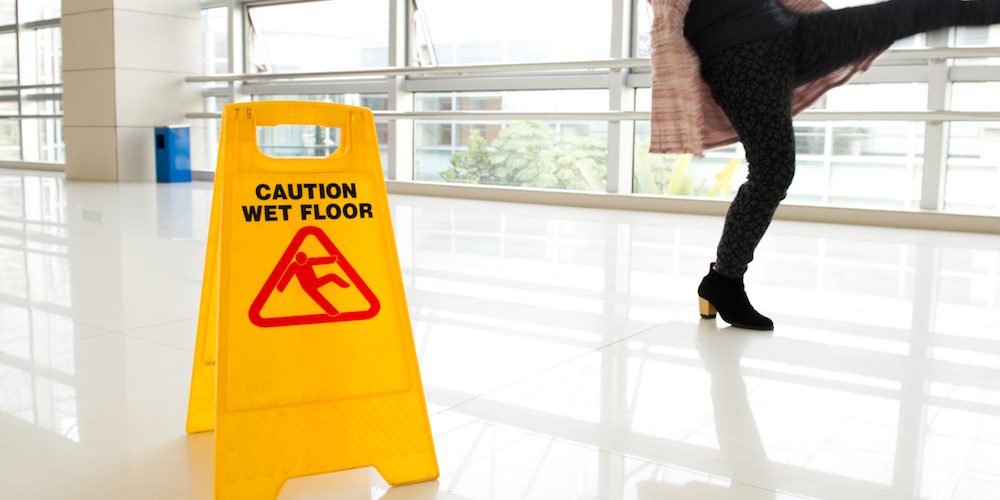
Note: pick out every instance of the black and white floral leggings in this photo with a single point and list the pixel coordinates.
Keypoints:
(753, 82)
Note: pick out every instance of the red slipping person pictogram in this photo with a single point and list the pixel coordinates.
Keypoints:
(295, 263)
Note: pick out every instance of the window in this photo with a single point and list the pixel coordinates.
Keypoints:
(215, 40)
(321, 35)
(31, 55)
(977, 36)
(973, 168)
(38, 10)
(972, 173)
(868, 164)
(8, 13)
(857, 161)
(528, 153)
(10, 140)
(461, 32)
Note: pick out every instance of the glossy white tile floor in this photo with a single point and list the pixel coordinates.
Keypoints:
(561, 351)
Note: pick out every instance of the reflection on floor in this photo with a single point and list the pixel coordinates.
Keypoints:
(561, 350)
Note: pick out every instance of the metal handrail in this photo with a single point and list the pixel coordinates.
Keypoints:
(586, 65)
(811, 116)
(29, 117)
(430, 70)
(30, 87)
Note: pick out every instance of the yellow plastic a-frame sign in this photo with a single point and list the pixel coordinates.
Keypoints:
(304, 361)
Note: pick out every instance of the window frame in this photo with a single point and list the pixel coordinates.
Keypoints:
(21, 91)
(925, 66)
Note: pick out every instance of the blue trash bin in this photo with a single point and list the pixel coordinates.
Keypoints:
(173, 153)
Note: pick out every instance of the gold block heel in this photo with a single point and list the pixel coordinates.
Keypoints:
(706, 308)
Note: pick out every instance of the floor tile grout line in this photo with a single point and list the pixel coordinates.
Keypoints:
(94, 336)
(162, 344)
(161, 323)
(557, 365)
(125, 331)
(31, 309)
(89, 325)
(132, 337)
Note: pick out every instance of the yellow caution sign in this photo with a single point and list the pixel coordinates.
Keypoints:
(304, 362)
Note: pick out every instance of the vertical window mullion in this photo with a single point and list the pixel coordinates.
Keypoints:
(17, 64)
(401, 130)
(621, 133)
(936, 134)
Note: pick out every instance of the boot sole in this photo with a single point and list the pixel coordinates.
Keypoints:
(708, 311)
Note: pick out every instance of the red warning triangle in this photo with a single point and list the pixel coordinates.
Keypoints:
(296, 265)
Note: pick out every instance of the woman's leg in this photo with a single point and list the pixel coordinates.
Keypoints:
(831, 39)
(752, 83)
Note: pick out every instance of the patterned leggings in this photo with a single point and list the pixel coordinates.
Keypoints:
(753, 82)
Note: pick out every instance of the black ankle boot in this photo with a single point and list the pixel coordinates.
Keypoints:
(725, 295)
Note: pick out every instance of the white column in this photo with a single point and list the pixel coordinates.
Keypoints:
(89, 90)
(124, 63)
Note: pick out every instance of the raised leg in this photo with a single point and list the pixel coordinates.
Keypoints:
(831, 39)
